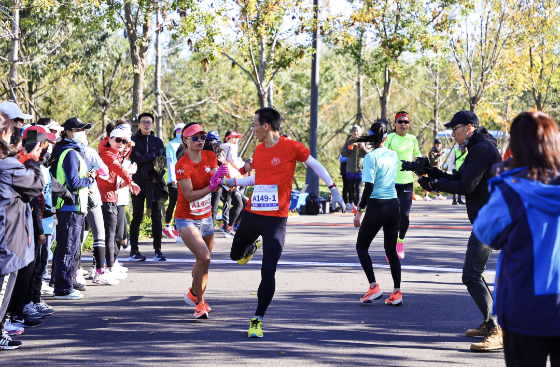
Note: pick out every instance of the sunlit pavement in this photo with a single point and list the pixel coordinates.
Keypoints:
(315, 318)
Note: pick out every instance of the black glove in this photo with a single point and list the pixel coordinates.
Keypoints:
(67, 198)
(434, 173)
(425, 183)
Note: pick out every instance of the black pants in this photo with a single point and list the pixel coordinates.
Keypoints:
(35, 282)
(24, 275)
(216, 195)
(110, 215)
(137, 215)
(475, 263)
(173, 192)
(380, 213)
(121, 232)
(524, 350)
(273, 232)
(236, 207)
(345, 189)
(355, 190)
(404, 193)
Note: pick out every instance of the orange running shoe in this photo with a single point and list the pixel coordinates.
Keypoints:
(207, 307)
(189, 298)
(200, 312)
(395, 299)
(372, 294)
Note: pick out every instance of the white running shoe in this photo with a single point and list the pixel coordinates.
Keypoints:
(83, 271)
(118, 266)
(92, 272)
(80, 278)
(116, 274)
(46, 290)
(427, 198)
(179, 240)
(440, 197)
(349, 206)
(12, 329)
(104, 279)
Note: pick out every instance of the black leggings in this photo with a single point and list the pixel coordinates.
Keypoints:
(110, 219)
(380, 213)
(121, 233)
(404, 193)
(173, 193)
(273, 232)
(355, 190)
(216, 195)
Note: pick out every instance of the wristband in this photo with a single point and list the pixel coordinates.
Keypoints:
(331, 186)
(361, 210)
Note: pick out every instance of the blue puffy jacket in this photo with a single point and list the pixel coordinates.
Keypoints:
(522, 218)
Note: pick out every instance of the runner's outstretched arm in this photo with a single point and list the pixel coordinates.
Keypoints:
(243, 181)
(324, 175)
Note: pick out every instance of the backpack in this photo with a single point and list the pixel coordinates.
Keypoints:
(312, 205)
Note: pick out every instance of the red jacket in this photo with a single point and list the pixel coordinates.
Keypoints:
(113, 160)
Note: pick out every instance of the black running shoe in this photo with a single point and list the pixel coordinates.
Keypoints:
(24, 322)
(7, 343)
(136, 256)
(159, 257)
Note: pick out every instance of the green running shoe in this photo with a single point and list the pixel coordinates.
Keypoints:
(255, 328)
(256, 245)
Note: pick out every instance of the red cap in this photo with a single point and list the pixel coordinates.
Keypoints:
(193, 129)
(40, 129)
(232, 134)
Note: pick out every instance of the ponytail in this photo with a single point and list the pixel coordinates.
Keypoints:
(5, 126)
(377, 134)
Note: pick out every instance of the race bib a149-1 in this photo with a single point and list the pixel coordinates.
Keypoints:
(265, 198)
(202, 205)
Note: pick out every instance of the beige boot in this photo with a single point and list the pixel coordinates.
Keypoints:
(479, 332)
(492, 341)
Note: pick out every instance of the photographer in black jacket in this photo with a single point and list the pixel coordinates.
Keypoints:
(470, 181)
(146, 150)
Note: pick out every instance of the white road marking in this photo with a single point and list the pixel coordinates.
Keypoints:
(311, 263)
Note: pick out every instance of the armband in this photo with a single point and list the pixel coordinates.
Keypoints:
(331, 186)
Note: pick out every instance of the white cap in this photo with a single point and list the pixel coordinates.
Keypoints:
(179, 126)
(13, 111)
(126, 128)
(53, 125)
(119, 133)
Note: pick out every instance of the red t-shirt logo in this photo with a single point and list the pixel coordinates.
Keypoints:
(275, 161)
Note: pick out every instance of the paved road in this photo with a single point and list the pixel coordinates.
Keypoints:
(314, 319)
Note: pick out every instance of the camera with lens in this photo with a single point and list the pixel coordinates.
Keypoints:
(421, 166)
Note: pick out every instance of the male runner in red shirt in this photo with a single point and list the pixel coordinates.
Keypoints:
(266, 214)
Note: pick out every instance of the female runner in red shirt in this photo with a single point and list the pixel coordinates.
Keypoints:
(198, 176)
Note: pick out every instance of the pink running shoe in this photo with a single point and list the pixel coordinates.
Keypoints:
(400, 250)
(168, 232)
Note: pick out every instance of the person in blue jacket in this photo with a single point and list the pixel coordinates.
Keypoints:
(70, 169)
(522, 219)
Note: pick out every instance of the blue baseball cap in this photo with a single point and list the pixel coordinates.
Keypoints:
(213, 136)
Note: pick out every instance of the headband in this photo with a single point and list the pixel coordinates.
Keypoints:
(401, 114)
(372, 133)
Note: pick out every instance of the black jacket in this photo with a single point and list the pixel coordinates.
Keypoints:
(18, 185)
(471, 178)
(143, 153)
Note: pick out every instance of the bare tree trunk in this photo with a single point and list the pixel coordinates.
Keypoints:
(138, 55)
(271, 94)
(436, 103)
(31, 102)
(385, 96)
(104, 116)
(359, 87)
(159, 113)
(14, 52)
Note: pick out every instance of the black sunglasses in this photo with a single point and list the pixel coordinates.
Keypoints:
(121, 140)
(195, 138)
(403, 122)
